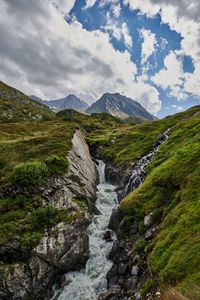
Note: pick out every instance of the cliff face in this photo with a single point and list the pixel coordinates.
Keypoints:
(64, 247)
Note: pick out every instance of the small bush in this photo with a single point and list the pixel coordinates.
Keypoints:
(44, 216)
(31, 173)
(139, 246)
(57, 164)
(149, 285)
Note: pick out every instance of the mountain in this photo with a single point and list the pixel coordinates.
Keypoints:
(69, 102)
(119, 106)
(16, 106)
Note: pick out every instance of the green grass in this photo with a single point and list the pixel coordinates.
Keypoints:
(15, 106)
(21, 142)
(127, 143)
(174, 174)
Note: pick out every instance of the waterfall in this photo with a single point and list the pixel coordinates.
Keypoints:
(88, 283)
(138, 173)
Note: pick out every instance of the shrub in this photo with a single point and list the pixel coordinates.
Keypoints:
(139, 246)
(44, 216)
(31, 173)
(149, 285)
(57, 164)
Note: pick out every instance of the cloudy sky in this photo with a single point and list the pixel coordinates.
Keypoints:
(148, 50)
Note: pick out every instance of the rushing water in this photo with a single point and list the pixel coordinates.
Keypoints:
(88, 283)
(138, 173)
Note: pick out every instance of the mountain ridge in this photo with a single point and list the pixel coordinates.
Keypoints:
(69, 102)
(119, 106)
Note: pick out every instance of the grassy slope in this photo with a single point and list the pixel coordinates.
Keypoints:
(15, 106)
(22, 217)
(127, 143)
(174, 175)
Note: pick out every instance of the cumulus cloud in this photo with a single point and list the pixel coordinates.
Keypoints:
(183, 17)
(64, 6)
(119, 31)
(172, 73)
(149, 44)
(89, 3)
(42, 54)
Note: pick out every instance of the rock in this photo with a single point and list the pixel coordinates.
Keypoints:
(149, 234)
(112, 294)
(136, 259)
(148, 220)
(115, 250)
(138, 296)
(108, 236)
(134, 271)
(161, 136)
(115, 220)
(122, 268)
(78, 183)
(131, 283)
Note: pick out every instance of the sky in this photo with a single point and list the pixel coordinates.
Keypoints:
(148, 50)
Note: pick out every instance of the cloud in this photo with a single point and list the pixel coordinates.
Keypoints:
(118, 30)
(147, 95)
(64, 6)
(56, 58)
(149, 44)
(172, 73)
(115, 6)
(41, 54)
(89, 3)
(183, 17)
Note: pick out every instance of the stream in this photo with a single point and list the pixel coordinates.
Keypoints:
(88, 283)
(138, 173)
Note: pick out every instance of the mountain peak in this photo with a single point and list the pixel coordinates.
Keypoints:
(120, 106)
(69, 102)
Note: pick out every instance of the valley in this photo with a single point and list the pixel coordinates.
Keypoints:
(50, 199)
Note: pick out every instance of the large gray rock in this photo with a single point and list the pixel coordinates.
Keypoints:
(80, 181)
(55, 254)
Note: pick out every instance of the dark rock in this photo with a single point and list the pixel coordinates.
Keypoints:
(115, 219)
(115, 250)
(136, 259)
(112, 294)
(108, 236)
(131, 283)
(122, 268)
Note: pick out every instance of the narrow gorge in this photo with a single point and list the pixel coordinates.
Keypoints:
(100, 273)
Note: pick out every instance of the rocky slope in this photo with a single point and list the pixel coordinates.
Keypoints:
(62, 247)
(119, 106)
(69, 102)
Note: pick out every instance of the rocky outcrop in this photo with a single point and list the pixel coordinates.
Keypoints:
(78, 183)
(64, 247)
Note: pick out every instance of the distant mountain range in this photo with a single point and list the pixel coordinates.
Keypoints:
(119, 106)
(69, 102)
(113, 104)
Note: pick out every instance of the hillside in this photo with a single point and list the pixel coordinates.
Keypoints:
(69, 102)
(48, 188)
(16, 106)
(119, 106)
(159, 219)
